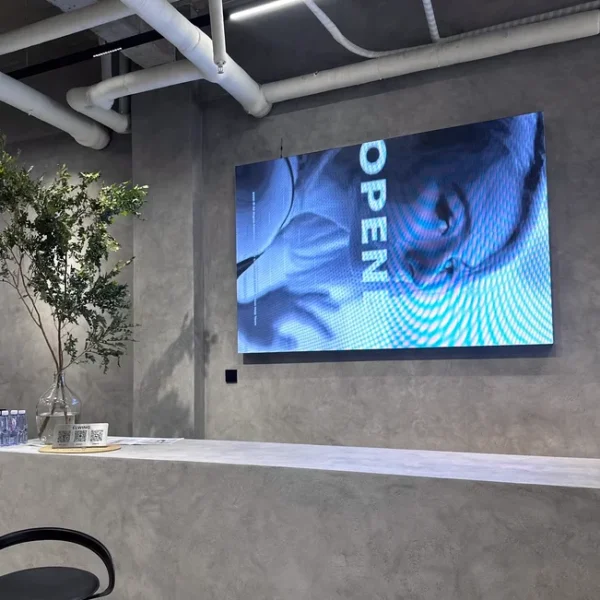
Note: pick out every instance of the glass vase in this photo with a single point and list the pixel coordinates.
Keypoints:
(58, 405)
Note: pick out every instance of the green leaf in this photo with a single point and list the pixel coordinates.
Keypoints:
(56, 239)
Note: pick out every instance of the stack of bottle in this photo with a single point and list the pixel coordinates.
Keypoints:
(13, 427)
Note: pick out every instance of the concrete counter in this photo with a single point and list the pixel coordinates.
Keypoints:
(500, 468)
(238, 520)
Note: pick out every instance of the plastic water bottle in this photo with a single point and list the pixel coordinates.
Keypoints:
(4, 428)
(12, 428)
(23, 427)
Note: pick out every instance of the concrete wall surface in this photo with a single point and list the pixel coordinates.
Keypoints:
(165, 130)
(541, 404)
(184, 275)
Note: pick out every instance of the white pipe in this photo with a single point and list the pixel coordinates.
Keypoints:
(217, 30)
(73, 21)
(433, 56)
(553, 14)
(63, 25)
(124, 68)
(78, 100)
(103, 94)
(340, 38)
(431, 22)
(96, 101)
(198, 48)
(38, 105)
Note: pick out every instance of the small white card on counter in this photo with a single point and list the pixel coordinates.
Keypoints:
(90, 435)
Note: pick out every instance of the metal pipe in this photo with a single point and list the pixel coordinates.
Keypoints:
(104, 93)
(445, 53)
(431, 22)
(217, 31)
(96, 101)
(198, 49)
(38, 105)
(78, 100)
(63, 25)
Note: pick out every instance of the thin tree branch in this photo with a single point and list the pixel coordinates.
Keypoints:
(27, 295)
(12, 285)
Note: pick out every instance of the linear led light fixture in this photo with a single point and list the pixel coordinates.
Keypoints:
(260, 9)
(106, 52)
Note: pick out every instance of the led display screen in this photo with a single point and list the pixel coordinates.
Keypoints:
(438, 239)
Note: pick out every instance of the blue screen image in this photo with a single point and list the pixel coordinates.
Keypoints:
(432, 240)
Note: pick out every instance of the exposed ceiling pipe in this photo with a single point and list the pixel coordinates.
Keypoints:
(103, 94)
(546, 16)
(442, 54)
(431, 22)
(77, 99)
(217, 30)
(63, 25)
(198, 48)
(96, 101)
(341, 39)
(38, 105)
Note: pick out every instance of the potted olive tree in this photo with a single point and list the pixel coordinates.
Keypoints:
(55, 249)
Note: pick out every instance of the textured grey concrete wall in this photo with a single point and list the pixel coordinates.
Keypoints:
(25, 366)
(165, 132)
(543, 405)
(187, 531)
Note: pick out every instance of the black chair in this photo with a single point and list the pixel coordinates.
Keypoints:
(55, 583)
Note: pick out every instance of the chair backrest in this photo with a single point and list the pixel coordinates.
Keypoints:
(57, 534)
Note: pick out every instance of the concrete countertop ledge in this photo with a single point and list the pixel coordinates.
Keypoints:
(500, 468)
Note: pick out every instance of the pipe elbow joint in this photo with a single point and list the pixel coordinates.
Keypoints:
(259, 109)
(97, 139)
(77, 98)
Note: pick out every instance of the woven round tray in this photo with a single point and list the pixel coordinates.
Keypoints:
(97, 449)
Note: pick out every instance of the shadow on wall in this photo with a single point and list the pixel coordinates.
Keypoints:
(161, 411)
(210, 341)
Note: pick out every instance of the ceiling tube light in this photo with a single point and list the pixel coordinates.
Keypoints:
(261, 9)
(98, 54)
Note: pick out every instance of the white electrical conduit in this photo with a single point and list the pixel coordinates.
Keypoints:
(74, 21)
(431, 22)
(95, 101)
(77, 99)
(553, 14)
(198, 49)
(547, 28)
(340, 38)
(217, 30)
(442, 54)
(34, 103)
(101, 95)
(106, 11)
